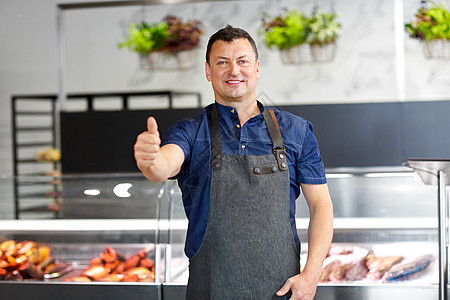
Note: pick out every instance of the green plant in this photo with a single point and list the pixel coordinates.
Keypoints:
(287, 31)
(143, 38)
(430, 24)
(323, 29)
(295, 28)
(170, 35)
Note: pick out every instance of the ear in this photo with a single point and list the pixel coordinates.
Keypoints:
(257, 69)
(207, 71)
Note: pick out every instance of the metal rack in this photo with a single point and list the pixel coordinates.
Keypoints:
(29, 184)
(27, 120)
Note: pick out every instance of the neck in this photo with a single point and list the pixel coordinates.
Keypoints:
(246, 110)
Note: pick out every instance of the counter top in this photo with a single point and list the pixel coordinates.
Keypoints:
(181, 224)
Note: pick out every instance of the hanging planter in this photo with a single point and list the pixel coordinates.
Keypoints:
(302, 39)
(154, 60)
(167, 45)
(432, 28)
(439, 49)
(303, 54)
(186, 58)
(164, 60)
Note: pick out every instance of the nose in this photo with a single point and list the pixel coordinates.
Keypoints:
(234, 69)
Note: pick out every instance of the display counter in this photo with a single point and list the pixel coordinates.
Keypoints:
(386, 211)
(78, 243)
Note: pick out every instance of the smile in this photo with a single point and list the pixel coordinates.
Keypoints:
(234, 81)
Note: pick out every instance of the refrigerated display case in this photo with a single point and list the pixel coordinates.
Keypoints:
(388, 211)
(77, 242)
(108, 232)
(435, 172)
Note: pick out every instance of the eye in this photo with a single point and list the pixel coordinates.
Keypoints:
(244, 62)
(221, 62)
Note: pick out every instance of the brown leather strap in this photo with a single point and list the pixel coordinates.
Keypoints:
(274, 131)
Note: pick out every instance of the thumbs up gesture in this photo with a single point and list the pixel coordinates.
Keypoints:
(147, 146)
(156, 163)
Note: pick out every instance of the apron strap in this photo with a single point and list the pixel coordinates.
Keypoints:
(216, 141)
(274, 130)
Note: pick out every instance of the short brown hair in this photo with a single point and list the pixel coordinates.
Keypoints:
(229, 34)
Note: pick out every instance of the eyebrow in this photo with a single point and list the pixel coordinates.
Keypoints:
(224, 57)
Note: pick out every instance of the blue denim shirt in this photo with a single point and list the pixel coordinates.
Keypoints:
(193, 137)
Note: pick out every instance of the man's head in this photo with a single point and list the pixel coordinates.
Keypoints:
(229, 34)
(232, 66)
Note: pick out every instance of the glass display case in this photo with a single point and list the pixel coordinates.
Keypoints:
(385, 215)
(103, 245)
(384, 218)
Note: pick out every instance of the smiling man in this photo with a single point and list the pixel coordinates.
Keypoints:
(240, 167)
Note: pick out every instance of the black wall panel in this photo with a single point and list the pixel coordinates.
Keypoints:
(355, 134)
(427, 129)
(102, 141)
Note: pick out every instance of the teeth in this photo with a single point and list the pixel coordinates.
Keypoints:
(234, 81)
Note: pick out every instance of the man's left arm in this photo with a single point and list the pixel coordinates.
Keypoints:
(320, 233)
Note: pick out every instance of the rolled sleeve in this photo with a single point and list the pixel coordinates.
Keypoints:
(178, 135)
(310, 167)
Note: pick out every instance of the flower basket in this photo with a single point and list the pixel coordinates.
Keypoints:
(155, 60)
(432, 28)
(304, 54)
(167, 45)
(438, 49)
(186, 59)
(164, 60)
(301, 38)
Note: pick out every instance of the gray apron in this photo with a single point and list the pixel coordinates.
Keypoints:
(248, 251)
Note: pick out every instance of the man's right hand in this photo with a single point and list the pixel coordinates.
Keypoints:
(147, 145)
(157, 164)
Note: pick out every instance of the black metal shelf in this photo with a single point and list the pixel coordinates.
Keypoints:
(23, 121)
(32, 160)
(46, 115)
(38, 174)
(49, 143)
(34, 113)
(40, 208)
(38, 182)
(39, 195)
(34, 129)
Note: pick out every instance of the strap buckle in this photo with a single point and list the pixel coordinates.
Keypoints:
(274, 150)
(280, 155)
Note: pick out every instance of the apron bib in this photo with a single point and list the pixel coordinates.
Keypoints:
(248, 251)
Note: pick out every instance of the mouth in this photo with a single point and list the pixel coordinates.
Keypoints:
(234, 81)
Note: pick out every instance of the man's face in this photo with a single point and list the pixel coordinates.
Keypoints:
(233, 71)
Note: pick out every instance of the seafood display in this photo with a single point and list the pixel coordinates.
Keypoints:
(378, 266)
(113, 266)
(343, 265)
(29, 260)
(409, 270)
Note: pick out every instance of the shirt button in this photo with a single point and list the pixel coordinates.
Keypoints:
(243, 147)
(238, 126)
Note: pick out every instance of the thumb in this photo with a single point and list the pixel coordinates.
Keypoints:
(152, 126)
(283, 291)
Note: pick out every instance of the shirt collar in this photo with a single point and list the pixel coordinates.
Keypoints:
(229, 109)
